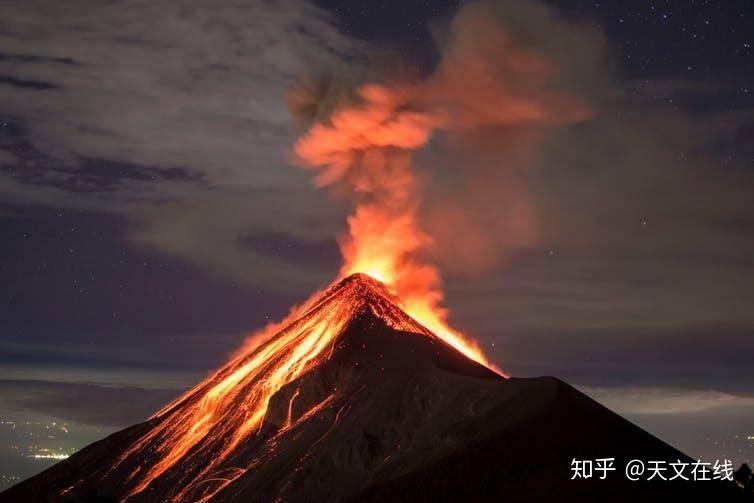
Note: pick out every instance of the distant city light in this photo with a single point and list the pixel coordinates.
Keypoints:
(49, 456)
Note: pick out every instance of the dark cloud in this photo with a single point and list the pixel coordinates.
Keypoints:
(705, 424)
(663, 401)
(84, 403)
(707, 357)
(316, 255)
(36, 85)
(30, 58)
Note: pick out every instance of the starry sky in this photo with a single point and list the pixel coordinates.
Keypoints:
(151, 218)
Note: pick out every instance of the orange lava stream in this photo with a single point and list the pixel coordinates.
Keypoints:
(230, 405)
(211, 420)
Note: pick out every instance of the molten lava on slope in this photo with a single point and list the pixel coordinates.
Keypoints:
(199, 444)
(353, 399)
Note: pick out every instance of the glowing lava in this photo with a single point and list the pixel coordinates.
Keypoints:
(381, 246)
(200, 431)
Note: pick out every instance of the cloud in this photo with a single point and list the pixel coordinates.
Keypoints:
(665, 400)
(703, 423)
(191, 87)
(191, 84)
(84, 403)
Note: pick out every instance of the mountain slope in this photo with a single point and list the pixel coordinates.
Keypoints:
(369, 406)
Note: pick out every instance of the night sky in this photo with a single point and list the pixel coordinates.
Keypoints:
(151, 217)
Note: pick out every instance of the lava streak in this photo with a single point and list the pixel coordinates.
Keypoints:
(194, 438)
(229, 406)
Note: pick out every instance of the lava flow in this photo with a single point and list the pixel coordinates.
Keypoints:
(200, 430)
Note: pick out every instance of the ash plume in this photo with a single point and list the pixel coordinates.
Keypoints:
(494, 92)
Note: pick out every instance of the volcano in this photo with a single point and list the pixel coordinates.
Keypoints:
(356, 401)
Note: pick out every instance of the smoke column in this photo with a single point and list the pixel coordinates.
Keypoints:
(488, 88)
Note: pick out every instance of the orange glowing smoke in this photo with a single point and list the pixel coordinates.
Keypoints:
(487, 79)
(367, 148)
